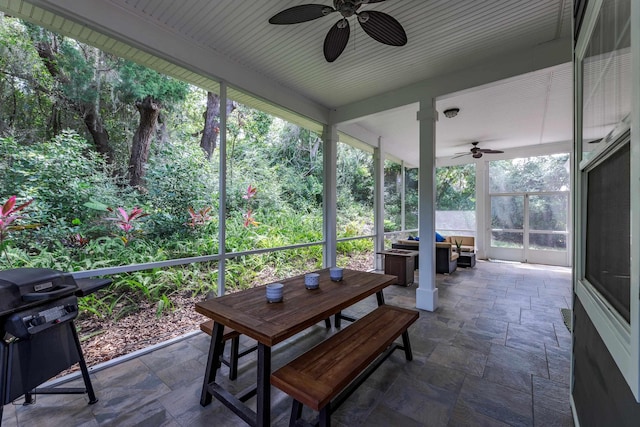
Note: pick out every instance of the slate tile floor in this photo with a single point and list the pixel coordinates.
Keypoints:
(495, 353)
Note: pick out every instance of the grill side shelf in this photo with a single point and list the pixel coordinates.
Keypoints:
(89, 286)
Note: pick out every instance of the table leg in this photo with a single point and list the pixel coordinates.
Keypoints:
(263, 407)
(380, 297)
(213, 362)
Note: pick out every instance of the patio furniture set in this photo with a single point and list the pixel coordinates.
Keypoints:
(323, 377)
(454, 251)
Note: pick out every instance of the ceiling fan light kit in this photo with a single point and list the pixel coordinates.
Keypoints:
(378, 25)
(450, 113)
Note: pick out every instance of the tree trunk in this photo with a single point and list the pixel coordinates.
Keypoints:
(149, 111)
(208, 142)
(48, 51)
(55, 121)
(100, 136)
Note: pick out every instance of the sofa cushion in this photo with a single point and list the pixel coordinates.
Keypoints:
(409, 242)
(439, 237)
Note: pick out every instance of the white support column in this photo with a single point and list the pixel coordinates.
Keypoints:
(403, 189)
(222, 197)
(427, 293)
(378, 202)
(483, 225)
(329, 205)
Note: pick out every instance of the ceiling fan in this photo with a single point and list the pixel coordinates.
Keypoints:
(477, 152)
(379, 26)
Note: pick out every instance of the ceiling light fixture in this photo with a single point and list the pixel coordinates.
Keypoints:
(450, 113)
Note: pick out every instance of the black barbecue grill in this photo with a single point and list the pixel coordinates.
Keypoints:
(38, 339)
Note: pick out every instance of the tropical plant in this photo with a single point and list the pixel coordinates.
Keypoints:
(68, 119)
(8, 216)
(248, 215)
(126, 221)
(199, 217)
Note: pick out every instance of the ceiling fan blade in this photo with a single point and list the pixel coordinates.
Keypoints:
(302, 13)
(370, 1)
(490, 151)
(383, 28)
(460, 155)
(336, 40)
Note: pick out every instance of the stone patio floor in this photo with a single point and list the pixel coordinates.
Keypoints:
(495, 353)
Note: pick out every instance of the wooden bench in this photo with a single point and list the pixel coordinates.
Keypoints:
(325, 376)
(234, 336)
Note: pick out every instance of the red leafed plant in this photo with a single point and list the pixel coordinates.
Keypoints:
(76, 241)
(249, 219)
(8, 216)
(126, 221)
(248, 215)
(251, 193)
(199, 217)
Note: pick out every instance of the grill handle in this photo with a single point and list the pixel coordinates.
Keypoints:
(38, 296)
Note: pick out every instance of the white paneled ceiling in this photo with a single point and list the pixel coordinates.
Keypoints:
(283, 65)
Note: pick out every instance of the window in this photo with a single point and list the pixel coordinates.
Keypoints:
(608, 187)
(456, 200)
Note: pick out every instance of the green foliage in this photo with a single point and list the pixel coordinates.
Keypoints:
(178, 177)
(354, 177)
(72, 185)
(543, 173)
(61, 175)
(25, 84)
(392, 196)
(456, 188)
(137, 82)
(82, 67)
(411, 199)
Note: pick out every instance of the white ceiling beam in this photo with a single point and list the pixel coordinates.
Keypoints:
(540, 57)
(361, 134)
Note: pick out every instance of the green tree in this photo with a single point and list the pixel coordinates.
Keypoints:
(150, 92)
(25, 86)
(392, 195)
(542, 173)
(456, 188)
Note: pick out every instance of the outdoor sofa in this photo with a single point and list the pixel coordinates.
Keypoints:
(446, 257)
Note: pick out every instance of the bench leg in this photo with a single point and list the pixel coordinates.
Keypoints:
(327, 322)
(233, 358)
(380, 298)
(407, 346)
(296, 413)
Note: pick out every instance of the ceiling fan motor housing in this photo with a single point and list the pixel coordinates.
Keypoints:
(346, 8)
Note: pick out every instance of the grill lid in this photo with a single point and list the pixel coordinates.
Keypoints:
(26, 287)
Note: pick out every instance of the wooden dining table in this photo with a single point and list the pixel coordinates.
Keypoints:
(249, 313)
